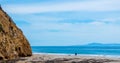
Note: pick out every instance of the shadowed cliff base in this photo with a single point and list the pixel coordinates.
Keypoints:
(13, 44)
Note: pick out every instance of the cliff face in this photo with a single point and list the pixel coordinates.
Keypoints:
(13, 43)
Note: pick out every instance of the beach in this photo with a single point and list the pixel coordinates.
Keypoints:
(64, 58)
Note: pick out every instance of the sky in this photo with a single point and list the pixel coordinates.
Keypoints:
(66, 22)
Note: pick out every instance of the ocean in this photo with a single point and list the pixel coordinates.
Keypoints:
(87, 50)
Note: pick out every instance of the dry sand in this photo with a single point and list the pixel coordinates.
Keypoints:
(59, 58)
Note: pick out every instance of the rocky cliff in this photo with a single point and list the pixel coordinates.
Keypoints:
(13, 43)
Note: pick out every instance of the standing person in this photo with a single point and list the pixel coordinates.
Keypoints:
(75, 54)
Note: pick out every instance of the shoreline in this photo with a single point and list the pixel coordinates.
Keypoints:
(118, 56)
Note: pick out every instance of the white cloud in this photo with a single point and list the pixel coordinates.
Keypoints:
(111, 20)
(93, 5)
(97, 23)
(80, 33)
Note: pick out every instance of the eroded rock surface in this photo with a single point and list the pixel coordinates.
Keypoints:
(12, 41)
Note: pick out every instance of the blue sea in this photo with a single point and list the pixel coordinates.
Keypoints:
(87, 50)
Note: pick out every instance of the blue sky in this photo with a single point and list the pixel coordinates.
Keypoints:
(66, 22)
